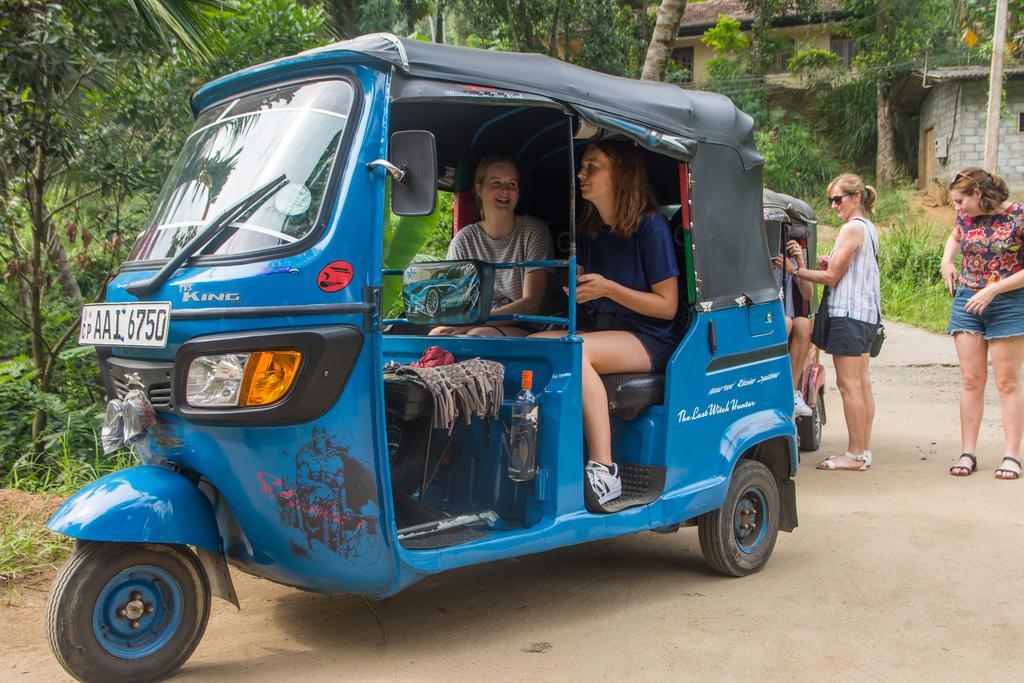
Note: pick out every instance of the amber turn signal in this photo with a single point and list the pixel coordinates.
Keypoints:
(268, 377)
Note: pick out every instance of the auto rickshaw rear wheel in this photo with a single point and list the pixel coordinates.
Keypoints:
(737, 539)
(127, 611)
(809, 427)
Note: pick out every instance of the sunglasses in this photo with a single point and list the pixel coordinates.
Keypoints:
(838, 199)
(977, 182)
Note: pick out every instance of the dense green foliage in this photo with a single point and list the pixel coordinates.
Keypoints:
(94, 112)
(912, 290)
(94, 108)
(796, 163)
(605, 35)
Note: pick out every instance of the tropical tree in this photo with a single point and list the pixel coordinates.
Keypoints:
(92, 111)
(606, 35)
(350, 18)
(764, 12)
(670, 15)
(893, 38)
(53, 59)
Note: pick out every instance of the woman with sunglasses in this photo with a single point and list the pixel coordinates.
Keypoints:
(988, 310)
(854, 308)
(628, 294)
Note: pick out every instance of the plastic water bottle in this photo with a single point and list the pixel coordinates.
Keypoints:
(522, 452)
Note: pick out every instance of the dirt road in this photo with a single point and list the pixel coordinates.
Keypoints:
(899, 573)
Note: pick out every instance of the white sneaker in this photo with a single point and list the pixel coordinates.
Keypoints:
(605, 484)
(800, 405)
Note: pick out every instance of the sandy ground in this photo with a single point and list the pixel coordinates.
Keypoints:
(899, 573)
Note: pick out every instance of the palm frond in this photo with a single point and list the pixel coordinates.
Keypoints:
(186, 20)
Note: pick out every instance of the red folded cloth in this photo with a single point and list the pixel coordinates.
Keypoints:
(433, 357)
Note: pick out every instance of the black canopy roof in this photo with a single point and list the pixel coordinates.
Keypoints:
(697, 116)
(797, 208)
(704, 129)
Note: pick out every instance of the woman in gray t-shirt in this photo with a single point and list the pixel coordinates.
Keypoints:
(503, 236)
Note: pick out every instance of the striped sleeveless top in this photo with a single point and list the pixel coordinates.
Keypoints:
(857, 295)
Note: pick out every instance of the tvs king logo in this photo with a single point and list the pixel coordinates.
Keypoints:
(188, 294)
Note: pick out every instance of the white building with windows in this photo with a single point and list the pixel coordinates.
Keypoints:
(794, 30)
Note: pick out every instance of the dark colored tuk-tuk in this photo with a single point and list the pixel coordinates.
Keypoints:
(788, 218)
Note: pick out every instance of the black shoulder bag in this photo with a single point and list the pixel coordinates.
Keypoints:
(819, 333)
(876, 343)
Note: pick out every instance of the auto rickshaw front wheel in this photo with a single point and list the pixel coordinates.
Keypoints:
(737, 539)
(127, 611)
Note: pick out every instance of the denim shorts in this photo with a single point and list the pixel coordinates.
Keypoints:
(1004, 317)
(849, 337)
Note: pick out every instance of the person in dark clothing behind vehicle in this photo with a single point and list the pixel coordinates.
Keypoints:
(628, 294)
(798, 327)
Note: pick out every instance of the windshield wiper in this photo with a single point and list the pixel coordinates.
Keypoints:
(209, 231)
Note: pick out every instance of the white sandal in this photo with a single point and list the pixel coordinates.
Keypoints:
(829, 463)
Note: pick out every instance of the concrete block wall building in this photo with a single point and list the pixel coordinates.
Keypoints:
(952, 103)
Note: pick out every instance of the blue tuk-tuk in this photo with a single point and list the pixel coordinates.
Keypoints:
(244, 347)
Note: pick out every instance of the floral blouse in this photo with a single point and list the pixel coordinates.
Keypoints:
(991, 245)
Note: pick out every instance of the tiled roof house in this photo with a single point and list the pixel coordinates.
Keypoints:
(799, 30)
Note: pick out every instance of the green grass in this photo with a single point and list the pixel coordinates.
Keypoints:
(57, 471)
(26, 546)
(912, 289)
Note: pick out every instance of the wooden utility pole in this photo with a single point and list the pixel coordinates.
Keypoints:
(995, 89)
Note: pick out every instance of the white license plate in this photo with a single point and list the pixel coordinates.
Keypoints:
(143, 324)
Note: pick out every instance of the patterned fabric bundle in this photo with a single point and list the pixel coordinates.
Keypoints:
(460, 389)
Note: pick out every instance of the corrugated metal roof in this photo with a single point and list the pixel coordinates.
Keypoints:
(966, 73)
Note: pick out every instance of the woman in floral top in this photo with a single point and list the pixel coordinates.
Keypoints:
(988, 310)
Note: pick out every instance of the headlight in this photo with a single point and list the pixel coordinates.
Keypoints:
(243, 380)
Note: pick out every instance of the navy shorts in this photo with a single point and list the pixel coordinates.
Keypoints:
(658, 352)
(1004, 317)
(849, 337)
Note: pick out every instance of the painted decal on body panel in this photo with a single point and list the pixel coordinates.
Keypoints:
(743, 383)
(712, 409)
(732, 404)
(331, 500)
(188, 294)
(335, 276)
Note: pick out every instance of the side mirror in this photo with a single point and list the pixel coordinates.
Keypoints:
(413, 169)
(448, 292)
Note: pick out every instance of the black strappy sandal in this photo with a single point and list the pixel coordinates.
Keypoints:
(969, 470)
(1012, 473)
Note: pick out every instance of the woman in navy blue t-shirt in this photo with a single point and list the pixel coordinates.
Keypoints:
(628, 293)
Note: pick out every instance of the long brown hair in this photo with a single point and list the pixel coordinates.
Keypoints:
(993, 188)
(634, 197)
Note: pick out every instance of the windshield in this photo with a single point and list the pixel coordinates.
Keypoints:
(239, 145)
